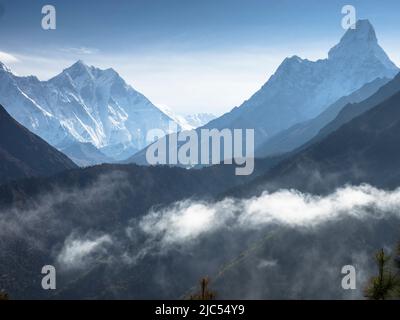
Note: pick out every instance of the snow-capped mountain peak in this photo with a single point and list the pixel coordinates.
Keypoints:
(80, 74)
(363, 32)
(83, 104)
(301, 89)
(80, 68)
(360, 44)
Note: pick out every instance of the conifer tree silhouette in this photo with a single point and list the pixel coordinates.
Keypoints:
(205, 293)
(384, 285)
(3, 296)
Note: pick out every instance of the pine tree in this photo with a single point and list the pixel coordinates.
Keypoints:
(383, 285)
(205, 293)
(397, 257)
(3, 296)
(397, 266)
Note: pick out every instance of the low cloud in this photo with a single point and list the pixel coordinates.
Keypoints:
(187, 220)
(284, 244)
(77, 251)
(267, 264)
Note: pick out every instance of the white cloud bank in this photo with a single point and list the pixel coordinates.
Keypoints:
(187, 221)
(76, 252)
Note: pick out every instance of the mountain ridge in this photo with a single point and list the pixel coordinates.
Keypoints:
(301, 133)
(362, 150)
(23, 154)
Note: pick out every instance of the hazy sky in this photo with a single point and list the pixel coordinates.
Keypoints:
(189, 55)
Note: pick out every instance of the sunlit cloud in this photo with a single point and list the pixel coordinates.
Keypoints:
(7, 57)
(77, 251)
(187, 221)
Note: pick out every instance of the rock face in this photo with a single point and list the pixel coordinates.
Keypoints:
(82, 104)
(23, 154)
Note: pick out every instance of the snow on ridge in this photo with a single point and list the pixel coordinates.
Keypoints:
(87, 104)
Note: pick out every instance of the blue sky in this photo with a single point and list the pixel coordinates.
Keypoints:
(188, 55)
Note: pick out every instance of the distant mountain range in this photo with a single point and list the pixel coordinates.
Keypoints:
(301, 90)
(83, 104)
(93, 116)
(198, 119)
(190, 121)
(23, 154)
